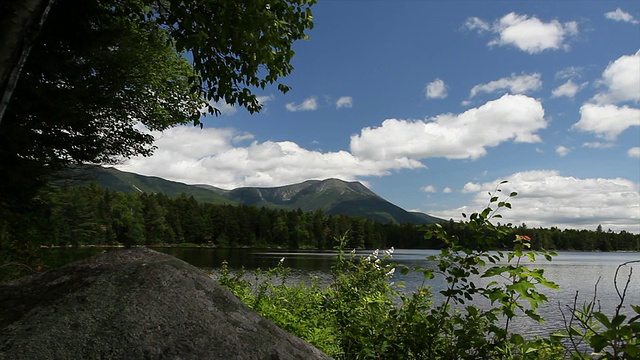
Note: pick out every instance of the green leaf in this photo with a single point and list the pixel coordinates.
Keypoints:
(603, 319)
(617, 320)
(598, 342)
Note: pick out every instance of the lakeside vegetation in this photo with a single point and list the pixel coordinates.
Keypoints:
(91, 215)
(362, 315)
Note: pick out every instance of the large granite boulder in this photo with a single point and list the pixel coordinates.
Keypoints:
(135, 304)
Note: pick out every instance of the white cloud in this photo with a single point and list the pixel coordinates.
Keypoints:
(428, 188)
(562, 151)
(447, 190)
(344, 102)
(607, 121)
(212, 156)
(436, 89)
(308, 104)
(528, 34)
(622, 80)
(570, 72)
(462, 136)
(620, 15)
(568, 89)
(634, 152)
(518, 84)
(598, 145)
(475, 23)
(546, 198)
(242, 137)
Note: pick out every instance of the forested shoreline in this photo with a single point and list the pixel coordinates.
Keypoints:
(90, 215)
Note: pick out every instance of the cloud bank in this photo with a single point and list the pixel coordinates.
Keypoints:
(546, 198)
(463, 136)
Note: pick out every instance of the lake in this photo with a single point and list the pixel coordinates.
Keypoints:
(573, 271)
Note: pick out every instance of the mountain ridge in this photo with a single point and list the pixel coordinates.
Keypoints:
(332, 196)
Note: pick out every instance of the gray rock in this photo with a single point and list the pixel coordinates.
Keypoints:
(135, 304)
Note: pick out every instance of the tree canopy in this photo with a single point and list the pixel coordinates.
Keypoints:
(101, 72)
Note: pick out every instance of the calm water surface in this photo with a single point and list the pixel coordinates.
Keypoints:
(575, 272)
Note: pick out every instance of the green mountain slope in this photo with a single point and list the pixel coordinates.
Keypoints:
(333, 196)
(127, 182)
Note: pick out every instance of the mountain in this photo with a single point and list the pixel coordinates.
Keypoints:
(116, 180)
(333, 196)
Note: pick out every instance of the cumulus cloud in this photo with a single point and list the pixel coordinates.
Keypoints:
(344, 102)
(568, 89)
(462, 136)
(428, 188)
(634, 152)
(546, 198)
(620, 15)
(308, 104)
(447, 190)
(518, 84)
(436, 89)
(621, 79)
(223, 158)
(607, 121)
(562, 151)
(526, 33)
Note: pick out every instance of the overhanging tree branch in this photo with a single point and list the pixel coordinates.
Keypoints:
(20, 23)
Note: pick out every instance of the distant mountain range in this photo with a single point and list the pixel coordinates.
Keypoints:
(333, 196)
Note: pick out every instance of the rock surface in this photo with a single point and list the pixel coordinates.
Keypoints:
(135, 304)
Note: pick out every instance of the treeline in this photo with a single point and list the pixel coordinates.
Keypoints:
(70, 215)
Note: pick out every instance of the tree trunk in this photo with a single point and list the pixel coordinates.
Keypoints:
(20, 23)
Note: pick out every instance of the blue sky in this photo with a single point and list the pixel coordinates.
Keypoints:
(432, 103)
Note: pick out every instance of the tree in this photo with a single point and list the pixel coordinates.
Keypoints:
(20, 23)
(235, 44)
(91, 81)
(83, 92)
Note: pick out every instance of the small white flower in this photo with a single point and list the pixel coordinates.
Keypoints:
(281, 261)
(391, 272)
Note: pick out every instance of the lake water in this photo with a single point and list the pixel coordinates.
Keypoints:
(573, 271)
